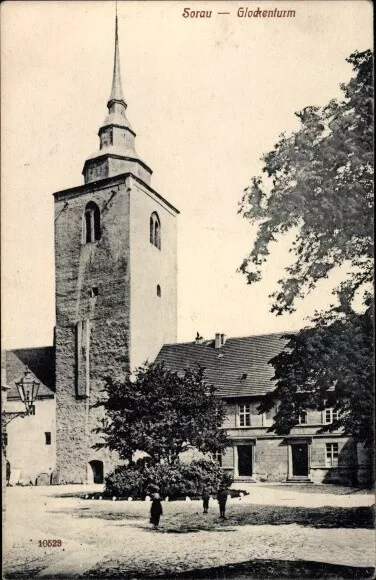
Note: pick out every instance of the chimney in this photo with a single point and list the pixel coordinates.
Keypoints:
(219, 340)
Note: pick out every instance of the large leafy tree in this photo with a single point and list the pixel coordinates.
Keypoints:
(163, 414)
(318, 186)
(329, 365)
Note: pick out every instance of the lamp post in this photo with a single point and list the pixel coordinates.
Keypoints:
(28, 390)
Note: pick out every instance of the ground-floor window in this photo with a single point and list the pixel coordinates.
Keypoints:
(331, 458)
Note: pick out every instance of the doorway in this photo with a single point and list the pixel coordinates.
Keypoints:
(95, 471)
(245, 460)
(299, 453)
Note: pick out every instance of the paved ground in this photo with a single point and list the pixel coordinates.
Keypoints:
(102, 539)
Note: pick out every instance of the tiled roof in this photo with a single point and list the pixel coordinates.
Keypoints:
(239, 368)
(41, 362)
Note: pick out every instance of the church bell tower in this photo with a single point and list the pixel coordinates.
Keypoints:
(116, 286)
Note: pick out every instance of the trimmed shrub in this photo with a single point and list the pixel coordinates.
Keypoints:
(125, 481)
(175, 481)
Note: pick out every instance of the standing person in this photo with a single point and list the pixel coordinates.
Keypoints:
(155, 510)
(205, 499)
(222, 499)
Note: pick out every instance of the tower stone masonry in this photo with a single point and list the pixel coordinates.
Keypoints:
(116, 284)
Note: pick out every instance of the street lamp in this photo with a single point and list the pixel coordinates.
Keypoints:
(28, 390)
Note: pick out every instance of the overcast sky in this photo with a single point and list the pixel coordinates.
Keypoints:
(206, 97)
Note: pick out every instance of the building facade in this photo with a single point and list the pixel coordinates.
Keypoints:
(30, 442)
(239, 368)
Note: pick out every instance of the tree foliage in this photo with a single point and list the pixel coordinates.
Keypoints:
(319, 185)
(330, 365)
(163, 414)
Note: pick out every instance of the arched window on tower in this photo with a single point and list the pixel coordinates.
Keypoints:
(157, 237)
(92, 223)
(155, 230)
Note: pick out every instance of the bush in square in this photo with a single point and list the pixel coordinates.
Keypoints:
(173, 481)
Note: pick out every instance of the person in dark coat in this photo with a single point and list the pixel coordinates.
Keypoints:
(156, 510)
(205, 499)
(222, 499)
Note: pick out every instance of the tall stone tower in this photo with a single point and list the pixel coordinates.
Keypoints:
(116, 287)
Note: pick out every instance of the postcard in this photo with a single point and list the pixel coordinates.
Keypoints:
(187, 270)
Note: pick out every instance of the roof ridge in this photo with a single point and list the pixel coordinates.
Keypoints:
(205, 341)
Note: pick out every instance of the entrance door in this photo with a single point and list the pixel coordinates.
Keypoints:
(96, 468)
(245, 467)
(299, 452)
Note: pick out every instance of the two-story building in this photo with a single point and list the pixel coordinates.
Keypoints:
(240, 370)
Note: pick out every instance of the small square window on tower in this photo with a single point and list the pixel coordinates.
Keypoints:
(93, 292)
(47, 435)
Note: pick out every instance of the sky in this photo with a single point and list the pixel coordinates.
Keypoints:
(206, 97)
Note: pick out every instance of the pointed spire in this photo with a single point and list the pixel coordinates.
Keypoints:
(116, 90)
(116, 136)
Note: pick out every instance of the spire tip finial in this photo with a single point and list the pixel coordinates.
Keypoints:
(116, 90)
